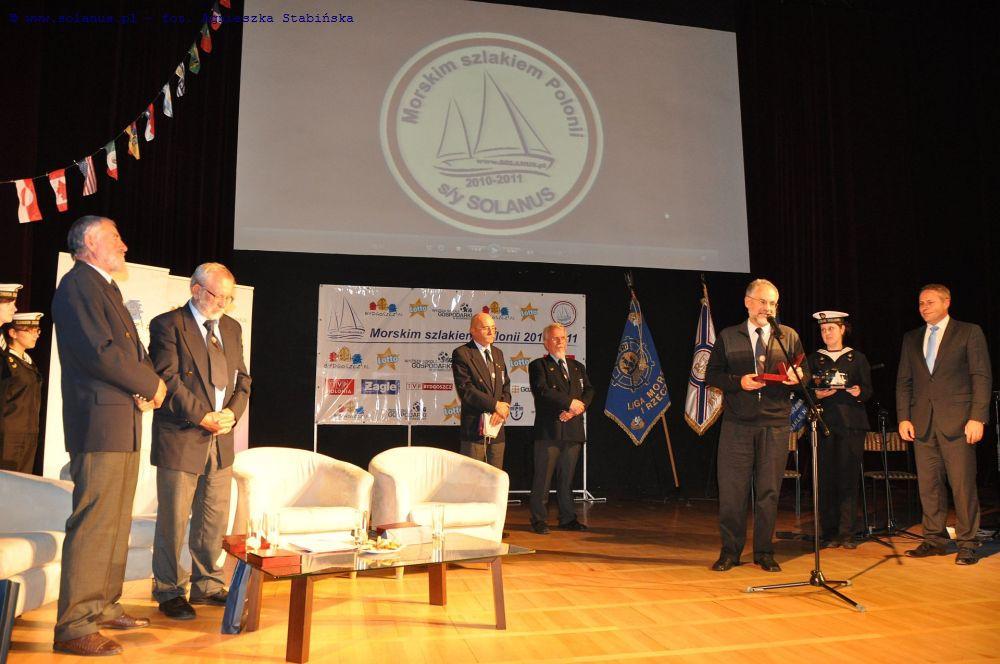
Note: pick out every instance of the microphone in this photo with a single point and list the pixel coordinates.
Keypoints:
(876, 367)
(775, 328)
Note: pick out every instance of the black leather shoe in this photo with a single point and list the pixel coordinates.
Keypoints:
(572, 525)
(725, 563)
(177, 609)
(966, 557)
(926, 549)
(218, 599)
(540, 527)
(849, 543)
(767, 562)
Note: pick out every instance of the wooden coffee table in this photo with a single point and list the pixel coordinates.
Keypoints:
(435, 556)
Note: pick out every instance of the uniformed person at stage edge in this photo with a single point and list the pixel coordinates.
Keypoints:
(8, 297)
(23, 400)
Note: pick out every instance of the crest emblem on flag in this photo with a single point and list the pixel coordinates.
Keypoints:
(112, 154)
(133, 140)
(638, 393)
(703, 404)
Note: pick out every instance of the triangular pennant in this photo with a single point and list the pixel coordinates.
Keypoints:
(180, 81)
(89, 176)
(57, 179)
(194, 62)
(168, 104)
(150, 123)
(27, 209)
(133, 140)
(206, 38)
(216, 17)
(112, 160)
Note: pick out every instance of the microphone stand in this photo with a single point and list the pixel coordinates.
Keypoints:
(816, 577)
(890, 530)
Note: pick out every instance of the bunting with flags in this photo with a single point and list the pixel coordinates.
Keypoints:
(703, 404)
(150, 123)
(57, 179)
(206, 38)
(180, 80)
(89, 176)
(27, 209)
(216, 17)
(168, 104)
(194, 62)
(638, 395)
(112, 160)
(133, 140)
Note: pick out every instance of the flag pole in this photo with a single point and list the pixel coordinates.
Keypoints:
(670, 450)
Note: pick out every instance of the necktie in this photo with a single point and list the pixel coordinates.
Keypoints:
(931, 354)
(565, 371)
(118, 291)
(216, 358)
(758, 350)
(489, 364)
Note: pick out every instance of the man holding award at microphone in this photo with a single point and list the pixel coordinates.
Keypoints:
(753, 443)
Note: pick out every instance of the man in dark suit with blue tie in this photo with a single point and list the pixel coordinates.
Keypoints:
(562, 393)
(198, 350)
(108, 381)
(942, 403)
(483, 387)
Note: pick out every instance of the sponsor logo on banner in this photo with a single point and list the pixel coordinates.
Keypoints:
(430, 387)
(417, 411)
(464, 311)
(343, 323)
(343, 386)
(516, 412)
(442, 363)
(379, 386)
(349, 410)
(453, 409)
(491, 134)
(529, 311)
(519, 362)
(564, 313)
(387, 359)
(497, 311)
(344, 359)
(418, 308)
(520, 389)
(382, 308)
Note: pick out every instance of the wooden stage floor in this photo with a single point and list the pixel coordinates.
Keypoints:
(635, 588)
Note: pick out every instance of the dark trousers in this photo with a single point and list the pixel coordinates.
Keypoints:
(839, 470)
(939, 457)
(491, 453)
(559, 456)
(19, 452)
(205, 498)
(756, 453)
(96, 544)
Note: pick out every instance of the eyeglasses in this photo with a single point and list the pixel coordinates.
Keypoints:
(767, 303)
(489, 328)
(227, 300)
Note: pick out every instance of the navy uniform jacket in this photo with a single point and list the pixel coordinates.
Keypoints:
(842, 409)
(553, 394)
(477, 393)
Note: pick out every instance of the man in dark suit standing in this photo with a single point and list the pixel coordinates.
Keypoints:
(753, 443)
(942, 402)
(198, 351)
(562, 393)
(483, 387)
(108, 381)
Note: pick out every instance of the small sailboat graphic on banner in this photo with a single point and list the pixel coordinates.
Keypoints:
(344, 325)
(505, 143)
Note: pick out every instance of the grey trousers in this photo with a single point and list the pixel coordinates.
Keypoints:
(760, 454)
(491, 453)
(558, 456)
(205, 498)
(939, 457)
(96, 545)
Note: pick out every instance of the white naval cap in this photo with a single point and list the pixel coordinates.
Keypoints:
(830, 317)
(27, 320)
(9, 291)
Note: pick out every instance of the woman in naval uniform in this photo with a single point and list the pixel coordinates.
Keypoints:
(8, 297)
(23, 400)
(842, 382)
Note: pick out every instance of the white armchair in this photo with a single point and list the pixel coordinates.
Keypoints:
(311, 492)
(410, 481)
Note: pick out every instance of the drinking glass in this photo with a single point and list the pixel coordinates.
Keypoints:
(437, 522)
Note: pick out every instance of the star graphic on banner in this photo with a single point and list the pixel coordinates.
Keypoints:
(453, 409)
(388, 359)
(529, 312)
(519, 362)
(418, 308)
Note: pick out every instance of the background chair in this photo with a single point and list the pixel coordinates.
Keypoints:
(895, 447)
(312, 493)
(410, 481)
(794, 473)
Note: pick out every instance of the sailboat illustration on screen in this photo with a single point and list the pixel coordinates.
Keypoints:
(344, 325)
(505, 143)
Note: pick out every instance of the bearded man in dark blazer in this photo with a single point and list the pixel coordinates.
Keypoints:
(108, 381)
(483, 387)
(562, 393)
(942, 403)
(198, 350)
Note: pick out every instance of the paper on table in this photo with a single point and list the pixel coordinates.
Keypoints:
(322, 542)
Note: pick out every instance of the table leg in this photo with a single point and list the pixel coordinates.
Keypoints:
(437, 580)
(255, 587)
(299, 619)
(498, 606)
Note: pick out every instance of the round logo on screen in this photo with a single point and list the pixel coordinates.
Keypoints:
(491, 133)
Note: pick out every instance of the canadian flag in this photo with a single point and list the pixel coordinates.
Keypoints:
(28, 203)
(57, 179)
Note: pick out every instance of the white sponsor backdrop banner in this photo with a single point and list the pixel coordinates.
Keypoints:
(383, 355)
(148, 291)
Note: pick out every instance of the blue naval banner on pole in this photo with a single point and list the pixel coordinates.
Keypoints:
(638, 393)
(797, 418)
